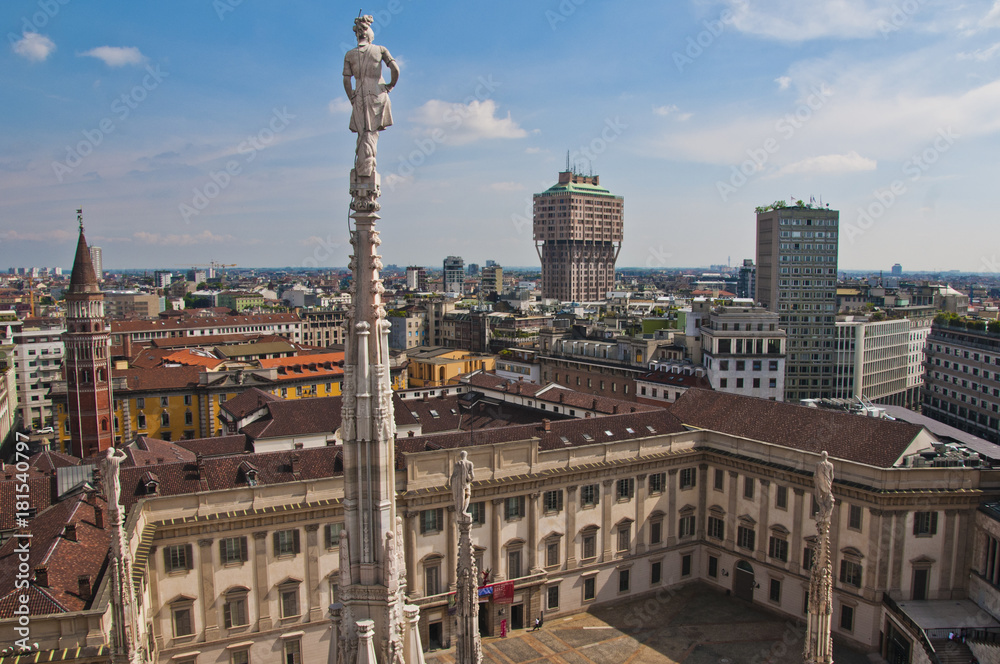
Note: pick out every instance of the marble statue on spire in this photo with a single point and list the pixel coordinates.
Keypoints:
(462, 476)
(371, 111)
(818, 647)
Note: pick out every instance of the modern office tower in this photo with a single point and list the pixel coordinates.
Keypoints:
(962, 378)
(492, 279)
(897, 270)
(872, 361)
(797, 279)
(746, 285)
(578, 234)
(472, 270)
(743, 350)
(96, 258)
(416, 278)
(453, 274)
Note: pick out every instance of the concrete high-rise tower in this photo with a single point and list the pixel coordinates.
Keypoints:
(797, 279)
(453, 274)
(88, 358)
(97, 259)
(578, 234)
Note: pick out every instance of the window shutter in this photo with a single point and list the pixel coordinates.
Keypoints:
(189, 556)
(166, 558)
(277, 544)
(521, 512)
(327, 529)
(295, 539)
(244, 556)
(933, 523)
(559, 501)
(222, 552)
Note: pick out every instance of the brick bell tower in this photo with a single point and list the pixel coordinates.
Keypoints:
(88, 358)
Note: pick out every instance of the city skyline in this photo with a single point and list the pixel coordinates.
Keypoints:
(888, 110)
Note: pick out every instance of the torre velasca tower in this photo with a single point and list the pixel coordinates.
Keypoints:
(578, 234)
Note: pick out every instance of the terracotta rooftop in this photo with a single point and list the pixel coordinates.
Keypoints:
(680, 379)
(247, 402)
(867, 440)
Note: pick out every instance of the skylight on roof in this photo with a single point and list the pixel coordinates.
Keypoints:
(434, 414)
(630, 430)
(651, 429)
(587, 436)
(608, 433)
(564, 439)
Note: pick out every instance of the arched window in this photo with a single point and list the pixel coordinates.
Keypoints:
(104, 424)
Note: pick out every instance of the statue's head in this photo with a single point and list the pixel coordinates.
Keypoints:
(824, 455)
(363, 28)
(463, 455)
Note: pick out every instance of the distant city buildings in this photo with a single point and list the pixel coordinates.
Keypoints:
(797, 250)
(744, 350)
(746, 285)
(416, 279)
(897, 270)
(492, 279)
(578, 234)
(453, 274)
(97, 259)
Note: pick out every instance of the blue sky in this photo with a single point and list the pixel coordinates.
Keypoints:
(695, 111)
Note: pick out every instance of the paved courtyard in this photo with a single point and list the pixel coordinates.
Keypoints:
(693, 625)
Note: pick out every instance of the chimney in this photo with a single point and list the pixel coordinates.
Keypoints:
(69, 532)
(425, 397)
(98, 517)
(547, 425)
(562, 397)
(593, 406)
(409, 434)
(296, 464)
(614, 409)
(83, 583)
(42, 576)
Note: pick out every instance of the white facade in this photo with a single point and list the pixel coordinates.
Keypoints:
(743, 351)
(880, 361)
(97, 258)
(38, 362)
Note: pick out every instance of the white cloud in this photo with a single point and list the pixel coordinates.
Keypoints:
(783, 82)
(532, 150)
(184, 240)
(830, 163)
(339, 105)
(671, 110)
(981, 55)
(116, 56)
(802, 20)
(44, 236)
(34, 46)
(459, 124)
(992, 18)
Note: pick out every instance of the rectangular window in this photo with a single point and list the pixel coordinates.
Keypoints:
(624, 537)
(846, 618)
(624, 582)
(850, 573)
(286, 542)
(431, 576)
(686, 565)
(183, 623)
(778, 548)
(625, 489)
(333, 531)
(241, 656)
(188, 417)
(589, 589)
(140, 420)
(807, 558)
(552, 501)
(720, 479)
(431, 521)
(514, 564)
(233, 550)
(657, 482)
(589, 546)
(177, 557)
(552, 593)
(781, 497)
(478, 512)
(289, 602)
(655, 531)
(775, 591)
(140, 402)
(552, 554)
(745, 537)
(590, 495)
(165, 419)
(854, 517)
(748, 488)
(688, 477)
(234, 611)
(514, 507)
(924, 524)
(293, 651)
(716, 528)
(686, 526)
(713, 567)
(164, 402)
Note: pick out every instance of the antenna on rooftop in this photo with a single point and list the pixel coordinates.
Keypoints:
(567, 160)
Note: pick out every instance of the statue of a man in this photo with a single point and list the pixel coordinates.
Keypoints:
(461, 482)
(823, 479)
(112, 485)
(369, 95)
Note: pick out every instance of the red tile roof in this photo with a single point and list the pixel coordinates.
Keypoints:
(865, 440)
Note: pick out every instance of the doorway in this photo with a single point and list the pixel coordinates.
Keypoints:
(484, 619)
(897, 647)
(516, 616)
(434, 639)
(920, 578)
(743, 581)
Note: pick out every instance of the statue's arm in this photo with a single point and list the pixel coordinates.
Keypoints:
(347, 87)
(393, 68)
